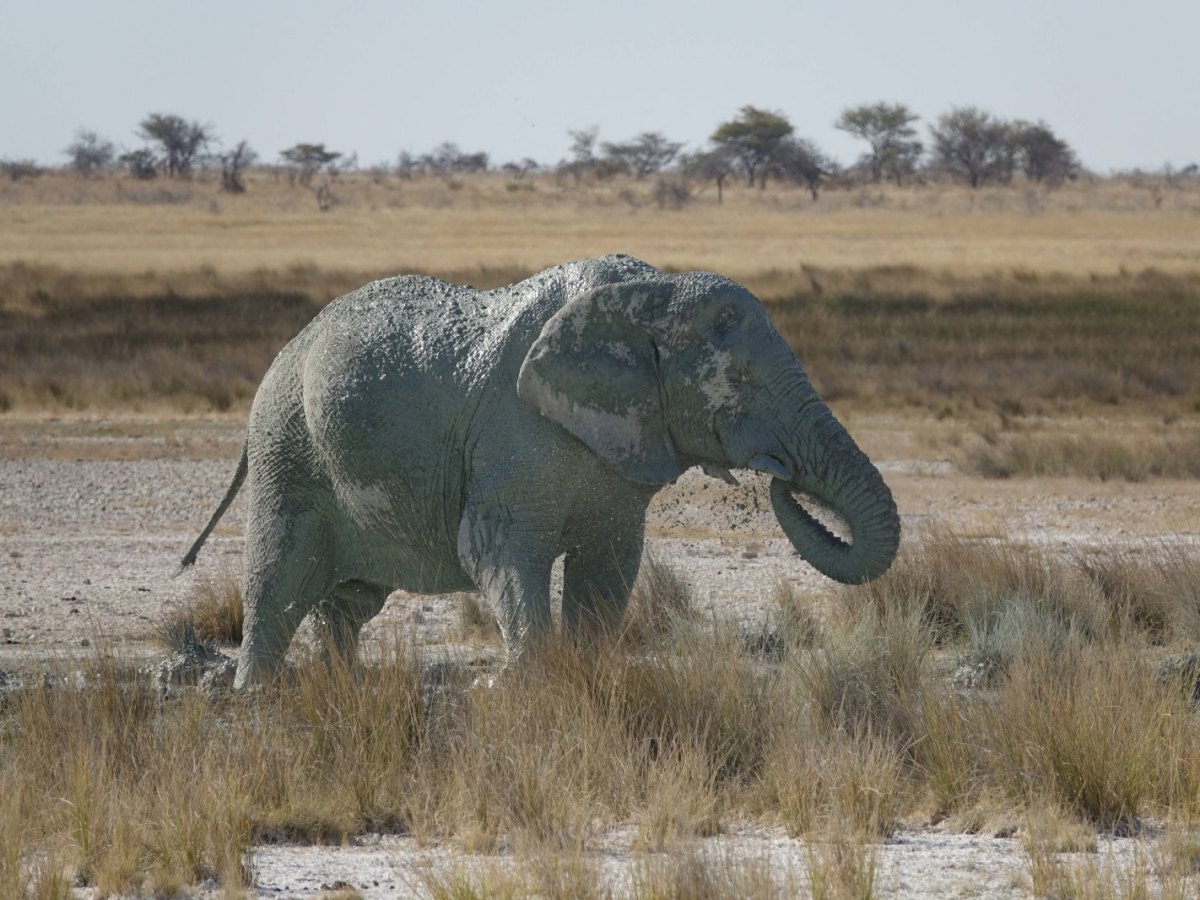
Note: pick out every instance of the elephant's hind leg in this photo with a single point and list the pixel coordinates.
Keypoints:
(287, 573)
(339, 618)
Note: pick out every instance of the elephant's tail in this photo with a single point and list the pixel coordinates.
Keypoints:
(238, 477)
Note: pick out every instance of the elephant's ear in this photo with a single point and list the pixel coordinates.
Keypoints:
(594, 371)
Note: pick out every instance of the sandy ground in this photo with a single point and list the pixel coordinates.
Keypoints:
(95, 515)
(912, 865)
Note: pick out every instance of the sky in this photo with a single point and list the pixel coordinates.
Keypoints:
(1120, 81)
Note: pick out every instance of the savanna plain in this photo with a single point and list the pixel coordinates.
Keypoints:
(1010, 711)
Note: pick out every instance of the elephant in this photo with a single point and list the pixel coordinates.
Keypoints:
(428, 437)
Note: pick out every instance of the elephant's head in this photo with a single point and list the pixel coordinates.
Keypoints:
(659, 376)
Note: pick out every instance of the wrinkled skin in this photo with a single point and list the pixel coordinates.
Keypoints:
(422, 436)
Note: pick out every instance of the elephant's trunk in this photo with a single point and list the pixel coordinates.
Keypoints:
(835, 471)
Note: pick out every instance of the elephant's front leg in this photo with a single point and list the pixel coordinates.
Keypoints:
(511, 566)
(599, 572)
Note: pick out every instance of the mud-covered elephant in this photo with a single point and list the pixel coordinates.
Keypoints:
(422, 436)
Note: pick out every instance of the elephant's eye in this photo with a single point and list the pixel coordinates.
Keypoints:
(742, 376)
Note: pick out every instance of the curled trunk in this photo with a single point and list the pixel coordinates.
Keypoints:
(836, 472)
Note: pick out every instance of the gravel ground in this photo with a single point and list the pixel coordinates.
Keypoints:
(95, 515)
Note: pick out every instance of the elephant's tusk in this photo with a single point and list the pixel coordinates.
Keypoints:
(771, 466)
(720, 472)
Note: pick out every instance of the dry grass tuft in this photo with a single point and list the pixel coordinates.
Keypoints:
(795, 626)
(476, 623)
(868, 675)
(1154, 589)
(211, 613)
(841, 866)
(709, 877)
(1094, 732)
(1003, 596)
(540, 874)
(1034, 454)
(660, 600)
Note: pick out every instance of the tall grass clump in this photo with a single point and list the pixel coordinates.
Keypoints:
(540, 874)
(1154, 588)
(154, 794)
(580, 734)
(1033, 454)
(660, 600)
(992, 591)
(139, 801)
(1075, 714)
(12, 838)
(701, 875)
(841, 866)
(847, 719)
(868, 675)
(1095, 731)
(212, 612)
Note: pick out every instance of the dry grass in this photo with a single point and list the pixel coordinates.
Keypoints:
(198, 341)
(211, 613)
(841, 866)
(476, 622)
(1101, 458)
(380, 222)
(995, 593)
(851, 733)
(660, 601)
(710, 877)
(115, 294)
(1102, 874)
(689, 874)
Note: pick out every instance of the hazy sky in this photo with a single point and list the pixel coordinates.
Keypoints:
(1119, 80)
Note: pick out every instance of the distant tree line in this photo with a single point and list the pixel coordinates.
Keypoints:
(755, 146)
(967, 143)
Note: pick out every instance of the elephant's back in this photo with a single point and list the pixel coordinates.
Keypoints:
(398, 322)
(387, 355)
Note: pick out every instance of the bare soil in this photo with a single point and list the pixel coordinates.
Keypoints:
(96, 514)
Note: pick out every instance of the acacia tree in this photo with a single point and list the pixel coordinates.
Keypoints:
(887, 129)
(646, 154)
(520, 170)
(182, 142)
(583, 153)
(233, 164)
(753, 139)
(447, 157)
(90, 153)
(714, 165)
(19, 169)
(142, 163)
(303, 161)
(1043, 155)
(799, 160)
(974, 145)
